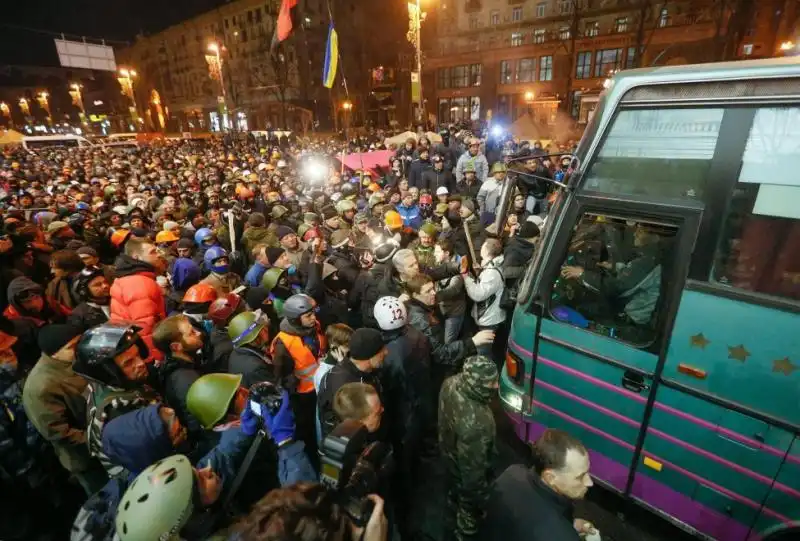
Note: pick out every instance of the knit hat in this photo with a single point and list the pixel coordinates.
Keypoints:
(56, 226)
(185, 243)
(273, 254)
(468, 204)
(339, 238)
(480, 373)
(54, 337)
(529, 230)
(283, 231)
(329, 212)
(86, 250)
(429, 229)
(365, 343)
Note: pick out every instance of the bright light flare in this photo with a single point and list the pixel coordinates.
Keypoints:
(497, 131)
(314, 171)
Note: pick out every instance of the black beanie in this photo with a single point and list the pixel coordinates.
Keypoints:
(529, 230)
(273, 254)
(54, 337)
(365, 344)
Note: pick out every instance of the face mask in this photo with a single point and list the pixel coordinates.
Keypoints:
(220, 269)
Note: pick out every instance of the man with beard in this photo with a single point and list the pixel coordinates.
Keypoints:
(94, 292)
(135, 295)
(180, 342)
(294, 248)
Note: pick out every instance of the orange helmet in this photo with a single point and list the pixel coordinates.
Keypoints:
(200, 293)
(166, 236)
(374, 187)
(393, 220)
(246, 193)
(119, 237)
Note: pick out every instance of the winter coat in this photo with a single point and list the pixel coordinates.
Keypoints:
(254, 274)
(54, 402)
(407, 384)
(486, 291)
(450, 153)
(60, 291)
(346, 267)
(332, 305)
(416, 171)
(424, 319)
(451, 296)
(87, 315)
(373, 290)
(221, 348)
(253, 364)
(175, 376)
(516, 257)
(410, 215)
(257, 235)
(432, 180)
(481, 167)
(522, 508)
(342, 373)
(489, 196)
(136, 298)
(223, 283)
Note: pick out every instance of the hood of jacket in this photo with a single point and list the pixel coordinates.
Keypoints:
(256, 234)
(170, 364)
(20, 285)
(137, 439)
(185, 273)
(519, 248)
(474, 391)
(125, 265)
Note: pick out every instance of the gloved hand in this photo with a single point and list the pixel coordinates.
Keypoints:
(249, 421)
(281, 425)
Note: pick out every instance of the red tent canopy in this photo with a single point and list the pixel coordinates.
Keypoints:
(367, 160)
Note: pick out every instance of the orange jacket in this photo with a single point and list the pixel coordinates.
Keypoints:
(305, 363)
(137, 299)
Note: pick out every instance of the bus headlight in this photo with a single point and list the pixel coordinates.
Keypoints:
(513, 401)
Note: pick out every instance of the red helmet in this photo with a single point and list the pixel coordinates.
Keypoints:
(425, 199)
(312, 233)
(200, 293)
(223, 308)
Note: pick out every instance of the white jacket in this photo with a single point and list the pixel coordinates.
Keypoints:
(490, 282)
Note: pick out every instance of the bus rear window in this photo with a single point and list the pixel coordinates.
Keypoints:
(657, 153)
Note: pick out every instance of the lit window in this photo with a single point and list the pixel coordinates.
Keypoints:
(516, 39)
(565, 6)
(494, 18)
(592, 29)
(526, 70)
(541, 9)
(505, 72)
(621, 25)
(546, 68)
(607, 62)
(564, 33)
(538, 35)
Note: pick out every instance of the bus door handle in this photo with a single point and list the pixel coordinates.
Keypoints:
(634, 382)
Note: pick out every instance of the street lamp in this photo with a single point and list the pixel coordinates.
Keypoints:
(24, 107)
(215, 70)
(77, 100)
(787, 45)
(126, 78)
(42, 98)
(347, 106)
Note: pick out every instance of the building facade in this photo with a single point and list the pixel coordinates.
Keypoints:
(550, 59)
(255, 90)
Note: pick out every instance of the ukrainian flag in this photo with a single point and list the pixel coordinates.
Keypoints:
(331, 58)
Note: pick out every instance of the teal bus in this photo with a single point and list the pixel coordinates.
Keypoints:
(659, 320)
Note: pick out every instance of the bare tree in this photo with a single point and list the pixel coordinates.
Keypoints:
(733, 19)
(570, 46)
(643, 36)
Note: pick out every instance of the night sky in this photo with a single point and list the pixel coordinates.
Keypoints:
(119, 20)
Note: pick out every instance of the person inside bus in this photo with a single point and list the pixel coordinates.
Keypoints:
(633, 287)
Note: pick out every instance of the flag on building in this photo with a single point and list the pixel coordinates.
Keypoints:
(331, 58)
(285, 23)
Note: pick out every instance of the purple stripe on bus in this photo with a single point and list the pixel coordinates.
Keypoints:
(665, 463)
(672, 439)
(677, 413)
(661, 496)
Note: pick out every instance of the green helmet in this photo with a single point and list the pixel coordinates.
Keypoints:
(278, 305)
(210, 395)
(244, 328)
(469, 166)
(499, 167)
(302, 229)
(271, 277)
(158, 502)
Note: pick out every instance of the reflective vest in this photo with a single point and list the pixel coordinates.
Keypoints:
(305, 363)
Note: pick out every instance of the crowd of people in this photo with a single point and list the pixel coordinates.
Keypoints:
(186, 325)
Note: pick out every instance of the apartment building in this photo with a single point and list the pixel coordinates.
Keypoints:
(550, 58)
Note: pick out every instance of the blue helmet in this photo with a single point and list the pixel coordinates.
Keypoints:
(82, 205)
(201, 235)
(212, 254)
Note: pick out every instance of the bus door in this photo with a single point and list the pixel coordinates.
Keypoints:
(611, 281)
(720, 452)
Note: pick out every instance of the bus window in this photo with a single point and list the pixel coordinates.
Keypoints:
(759, 249)
(669, 148)
(610, 281)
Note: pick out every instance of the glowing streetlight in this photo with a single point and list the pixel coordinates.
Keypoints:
(347, 106)
(215, 71)
(125, 79)
(44, 103)
(788, 45)
(24, 106)
(529, 95)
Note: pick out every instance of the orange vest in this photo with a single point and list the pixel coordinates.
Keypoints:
(305, 363)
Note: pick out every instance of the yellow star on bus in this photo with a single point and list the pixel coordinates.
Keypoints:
(699, 341)
(739, 353)
(784, 365)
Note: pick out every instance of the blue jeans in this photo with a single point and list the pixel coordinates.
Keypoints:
(452, 328)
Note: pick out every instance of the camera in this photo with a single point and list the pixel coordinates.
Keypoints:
(267, 395)
(354, 467)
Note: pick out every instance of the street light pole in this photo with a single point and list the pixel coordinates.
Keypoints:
(217, 50)
(419, 60)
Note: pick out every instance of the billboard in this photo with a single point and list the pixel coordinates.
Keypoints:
(79, 54)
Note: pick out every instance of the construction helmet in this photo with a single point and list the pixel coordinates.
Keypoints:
(119, 237)
(166, 236)
(469, 166)
(271, 277)
(297, 305)
(244, 328)
(212, 255)
(210, 396)
(390, 313)
(222, 309)
(159, 501)
(499, 167)
(393, 220)
(200, 293)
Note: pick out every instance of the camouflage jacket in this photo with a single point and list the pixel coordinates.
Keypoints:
(467, 438)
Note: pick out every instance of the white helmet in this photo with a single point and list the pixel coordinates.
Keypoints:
(390, 313)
